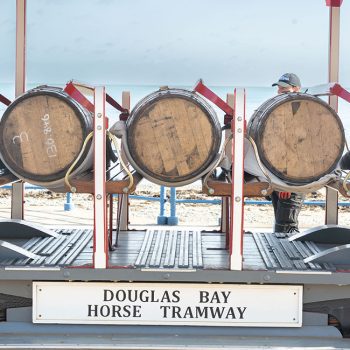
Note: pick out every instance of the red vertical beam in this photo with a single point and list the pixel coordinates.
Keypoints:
(236, 203)
(100, 257)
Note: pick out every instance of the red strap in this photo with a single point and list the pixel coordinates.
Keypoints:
(211, 96)
(115, 104)
(227, 119)
(72, 91)
(5, 100)
(340, 91)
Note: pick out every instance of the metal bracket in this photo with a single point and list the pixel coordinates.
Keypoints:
(327, 234)
(12, 251)
(18, 229)
(338, 255)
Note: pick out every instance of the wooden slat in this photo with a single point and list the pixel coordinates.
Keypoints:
(252, 189)
(85, 184)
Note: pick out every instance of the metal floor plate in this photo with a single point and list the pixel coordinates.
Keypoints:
(278, 253)
(58, 251)
(171, 248)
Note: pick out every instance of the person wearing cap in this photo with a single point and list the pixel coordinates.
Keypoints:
(287, 205)
(288, 82)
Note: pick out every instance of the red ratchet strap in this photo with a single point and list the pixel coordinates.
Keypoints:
(115, 104)
(337, 90)
(5, 100)
(211, 96)
(124, 115)
(72, 91)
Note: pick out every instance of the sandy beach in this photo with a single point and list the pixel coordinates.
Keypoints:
(45, 207)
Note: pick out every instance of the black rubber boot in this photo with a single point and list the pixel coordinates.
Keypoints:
(287, 212)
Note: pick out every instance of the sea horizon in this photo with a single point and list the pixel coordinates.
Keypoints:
(255, 97)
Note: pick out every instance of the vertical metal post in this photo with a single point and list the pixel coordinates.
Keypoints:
(236, 207)
(173, 219)
(68, 206)
(124, 210)
(225, 201)
(333, 76)
(100, 209)
(17, 198)
(20, 86)
(162, 219)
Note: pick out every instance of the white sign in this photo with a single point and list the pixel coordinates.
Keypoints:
(161, 304)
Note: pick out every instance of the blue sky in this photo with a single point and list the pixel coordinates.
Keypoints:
(225, 42)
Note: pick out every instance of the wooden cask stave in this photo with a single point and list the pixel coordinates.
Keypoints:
(173, 136)
(299, 137)
(41, 135)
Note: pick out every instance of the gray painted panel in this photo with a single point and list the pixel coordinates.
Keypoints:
(339, 255)
(16, 228)
(15, 334)
(333, 234)
(11, 251)
(314, 319)
(20, 314)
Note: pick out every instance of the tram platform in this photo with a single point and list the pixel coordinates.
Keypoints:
(164, 250)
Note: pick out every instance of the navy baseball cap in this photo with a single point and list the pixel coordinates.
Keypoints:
(288, 79)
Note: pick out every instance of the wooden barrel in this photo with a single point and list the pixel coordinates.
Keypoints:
(299, 137)
(41, 135)
(173, 136)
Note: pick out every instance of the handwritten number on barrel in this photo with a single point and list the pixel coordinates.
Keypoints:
(23, 136)
(51, 149)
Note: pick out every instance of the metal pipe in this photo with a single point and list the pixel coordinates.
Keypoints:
(162, 219)
(68, 206)
(173, 219)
